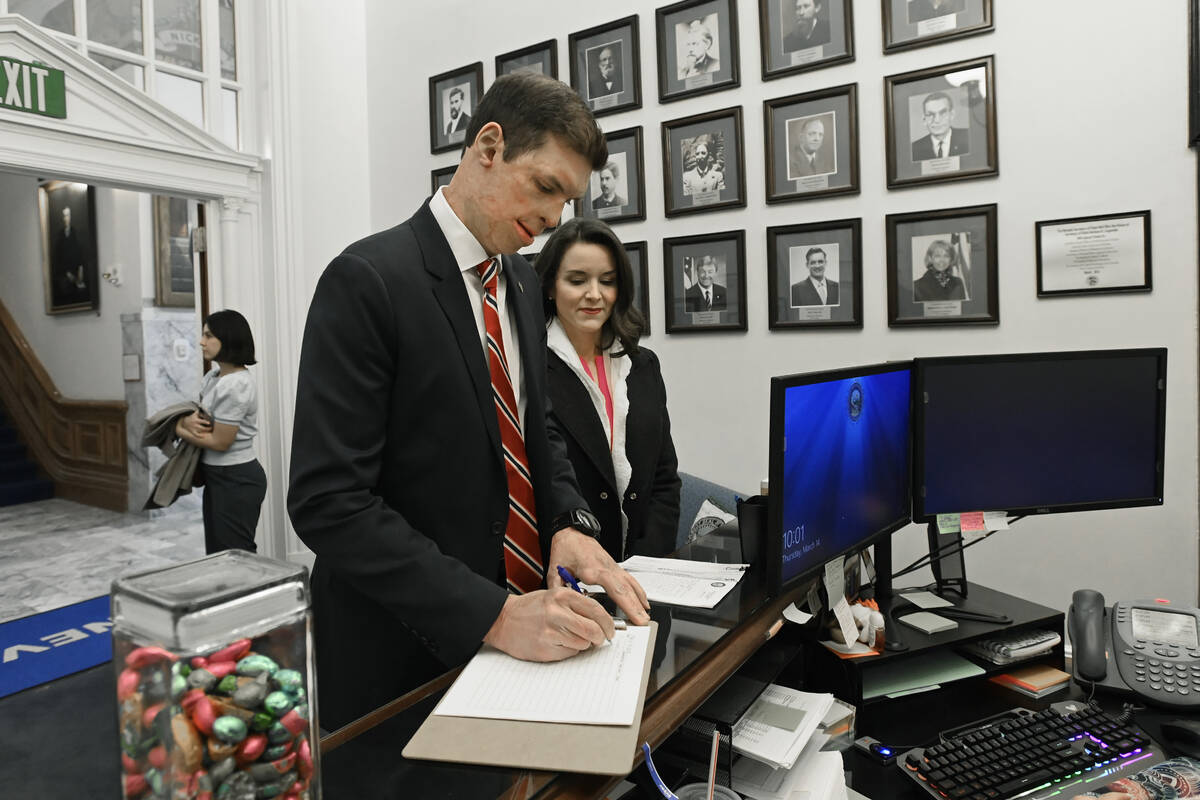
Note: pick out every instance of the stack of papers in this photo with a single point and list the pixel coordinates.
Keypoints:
(776, 728)
(674, 581)
(816, 775)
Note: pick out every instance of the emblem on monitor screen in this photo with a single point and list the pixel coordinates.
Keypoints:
(854, 401)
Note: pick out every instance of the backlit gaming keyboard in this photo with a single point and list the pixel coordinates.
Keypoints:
(1058, 752)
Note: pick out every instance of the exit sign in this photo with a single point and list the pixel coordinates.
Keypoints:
(34, 88)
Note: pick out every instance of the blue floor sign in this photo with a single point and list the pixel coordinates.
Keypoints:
(46, 646)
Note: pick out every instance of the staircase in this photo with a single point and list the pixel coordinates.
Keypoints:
(19, 481)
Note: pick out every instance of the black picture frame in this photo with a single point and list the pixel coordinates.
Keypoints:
(625, 174)
(640, 266)
(919, 23)
(70, 271)
(1083, 255)
(793, 251)
(176, 222)
(961, 96)
(466, 80)
(541, 58)
(697, 48)
(689, 189)
(1194, 73)
(440, 177)
(963, 236)
(683, 259)
(586, 49)
(788, 47)
(795, 173)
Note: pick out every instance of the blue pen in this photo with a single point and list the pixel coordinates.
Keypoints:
(569, 579)
(566, 575)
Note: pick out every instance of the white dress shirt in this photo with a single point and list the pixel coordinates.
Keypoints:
(468, 253)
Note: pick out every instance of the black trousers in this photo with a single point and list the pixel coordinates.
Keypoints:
(233, 497)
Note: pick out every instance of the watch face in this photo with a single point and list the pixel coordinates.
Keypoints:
(586, 521)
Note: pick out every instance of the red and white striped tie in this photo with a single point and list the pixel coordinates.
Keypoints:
(522, 551)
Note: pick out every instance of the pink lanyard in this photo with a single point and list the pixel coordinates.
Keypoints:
(601, 378)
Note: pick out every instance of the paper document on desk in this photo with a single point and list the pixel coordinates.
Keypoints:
(599, 686)
(699, 584)
(779, 724)
(816, 775)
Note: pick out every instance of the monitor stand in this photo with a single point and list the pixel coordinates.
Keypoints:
(949, 573)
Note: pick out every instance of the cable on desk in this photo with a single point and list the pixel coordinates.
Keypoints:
(948, 549)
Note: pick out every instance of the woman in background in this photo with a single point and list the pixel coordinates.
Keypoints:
(234, 481)
(606, 392)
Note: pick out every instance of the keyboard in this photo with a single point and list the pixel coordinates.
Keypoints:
(1059, 752)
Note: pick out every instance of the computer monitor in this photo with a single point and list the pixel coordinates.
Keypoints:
(839, 474)
(1039, 433)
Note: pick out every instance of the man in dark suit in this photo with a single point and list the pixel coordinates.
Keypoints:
(810, 157)
(942, 141)
(921, 10)
(459, 119)
(705, 294)
(69, 278)
(417, 363)
(604, 75)
(809, 30)
(816, 289)
(608, 197)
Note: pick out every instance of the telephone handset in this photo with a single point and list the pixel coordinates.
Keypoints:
(1146, 647)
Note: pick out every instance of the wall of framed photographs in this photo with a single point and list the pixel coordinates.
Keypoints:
(1023, 80)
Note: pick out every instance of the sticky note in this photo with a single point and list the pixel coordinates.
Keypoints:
(835, 581)
(971, 521)
(947, 523)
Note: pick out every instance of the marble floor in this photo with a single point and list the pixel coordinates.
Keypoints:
(57, 552)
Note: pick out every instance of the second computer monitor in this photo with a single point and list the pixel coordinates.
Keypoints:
(839, 465)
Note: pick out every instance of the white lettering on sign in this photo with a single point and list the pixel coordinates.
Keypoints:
(64, 637)
(12, 73)
(13, 653)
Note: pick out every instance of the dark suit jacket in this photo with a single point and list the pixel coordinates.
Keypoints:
(796, 41)
(460, 124)
(921, 10)
(960, 145)
(805, 294)
(821, 165)
(651, 501)
(596, 87)
(926, 289)
(693, 298)
(397, 479)
(599, 202)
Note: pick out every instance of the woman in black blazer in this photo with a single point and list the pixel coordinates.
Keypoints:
(606, 393)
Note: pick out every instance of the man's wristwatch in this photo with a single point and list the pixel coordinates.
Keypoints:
(580, 519)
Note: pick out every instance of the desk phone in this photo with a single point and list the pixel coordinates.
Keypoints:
(1145, 647)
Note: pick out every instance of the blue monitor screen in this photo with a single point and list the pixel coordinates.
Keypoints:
(845, 463)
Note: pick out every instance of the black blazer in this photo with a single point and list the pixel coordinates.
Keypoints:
(651, 501)
(397, 478)
(805, 294)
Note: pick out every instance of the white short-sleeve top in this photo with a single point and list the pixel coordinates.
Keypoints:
(232, 400)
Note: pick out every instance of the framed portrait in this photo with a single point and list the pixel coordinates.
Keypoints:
(1094, 255)
(441, 177)
(69, 267)
(941, 124)
(636, 251)
(916, 23)
(812, 144)
(176, 220)
(541, 58)
(705, 286)
(942, 267)
(453, 96)
(703, 162)
(799, 35)
(606, 66)
(697, 48)
(617, 191)
(814, 275)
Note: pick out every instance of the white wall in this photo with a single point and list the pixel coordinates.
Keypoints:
(81, 351)
(1080, 132)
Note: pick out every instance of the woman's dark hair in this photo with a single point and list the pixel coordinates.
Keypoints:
(626, 322)
(528, 106)
(233, 332)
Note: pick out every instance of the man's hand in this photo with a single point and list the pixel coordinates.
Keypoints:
(549, 625)
(195, 424)
(590, 563)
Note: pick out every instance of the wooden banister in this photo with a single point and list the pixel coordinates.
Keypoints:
(80, 444)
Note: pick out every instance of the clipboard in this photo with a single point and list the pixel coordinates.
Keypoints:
(552, 746)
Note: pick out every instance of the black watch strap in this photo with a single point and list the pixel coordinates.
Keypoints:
(580, 519)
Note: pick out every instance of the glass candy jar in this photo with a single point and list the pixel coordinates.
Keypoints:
(215, 681)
